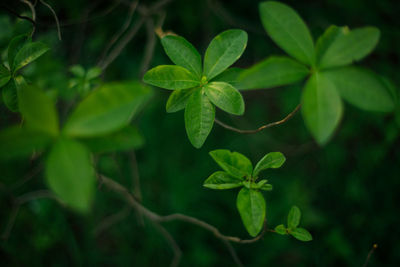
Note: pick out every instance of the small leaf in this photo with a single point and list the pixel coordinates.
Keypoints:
(340, 46)
(18, 142)
(222, 180)
(266, 187)
(199, 118)
(288, 30)
(294, 217)
(272, 72)
(78, 71)
(362, 88)
(225, 96)
(126, 139)
(70, 174)
(28, 53)
(107, 109)
(271, 160)
(37, 108)
(229, 76)
(182, 53)
(5, 75)
(178, 99)
(223, 51)
(233, 163)
(171, 77)
(10, 96)
(281, 229)
(322, 108)
(93, 73)
(14, 46)
(251, 206)
(301, 234)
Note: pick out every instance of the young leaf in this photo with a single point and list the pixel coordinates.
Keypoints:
(229, 76)
(182, 53)
(37, 108)
(10, 97)
(78, 71)
(225, 96)
(93, 73)
(361, 88)
(266, 187)
(322, 107)
(171, 77)
(223, 51)
(28, 53)
(222, 180)
(126, 139)
(294, 217)
(17, 142)
(14, 46)
(281, 229)
(271, 160)
(5, 75)
(301, 234)
(199, 118)
(70, 174)
(272, 72)
(251, 206)
(340, 46)
(233, 163)
(107, 109)
(288, 30)
(178, 99)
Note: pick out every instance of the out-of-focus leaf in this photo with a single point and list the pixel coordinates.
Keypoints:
(10, 96)
(5, 75)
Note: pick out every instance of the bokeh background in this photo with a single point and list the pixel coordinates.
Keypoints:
(348, 190)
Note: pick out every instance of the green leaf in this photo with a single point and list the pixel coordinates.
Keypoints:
(28, 53)
(322, 107)
(107, 109)
(37, 108)
(281, 229)
(18, 142)
(78, 71)
(272, 72)
(229, 76)
(10, 96)
(288, 30)
(14, 46)
(70, 174)
(171, 77)
(199, 118)
(178, 99)
(225, 96)
(294, 217)
(362, 88)
(126, 139)
(251, 206)
(266, 187)
(301, 234)
(233, 163)
(339, 46)
(182, 53)
(223, 51)
(271, 160)
(5, 75)
(93, 73)
(222, 180)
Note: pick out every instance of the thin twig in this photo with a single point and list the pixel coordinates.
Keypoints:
(168, 237)
(55, 17)
(118, 188)
(119, 33)
(109, 221)
(32, 8)
(149, 47)
(374, 247)
(18, 15)
(269, 125)
(233, 253)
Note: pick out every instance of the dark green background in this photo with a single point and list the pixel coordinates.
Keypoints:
(348, 190)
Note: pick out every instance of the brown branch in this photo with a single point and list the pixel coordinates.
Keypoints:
(18, 15)
(149, 47)
(374, 247)
(269, 125)
(168, 237)
(32, 8)
(118, 188)
(109, 221)
(55, 17)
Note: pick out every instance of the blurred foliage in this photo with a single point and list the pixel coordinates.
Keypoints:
(348, 191)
